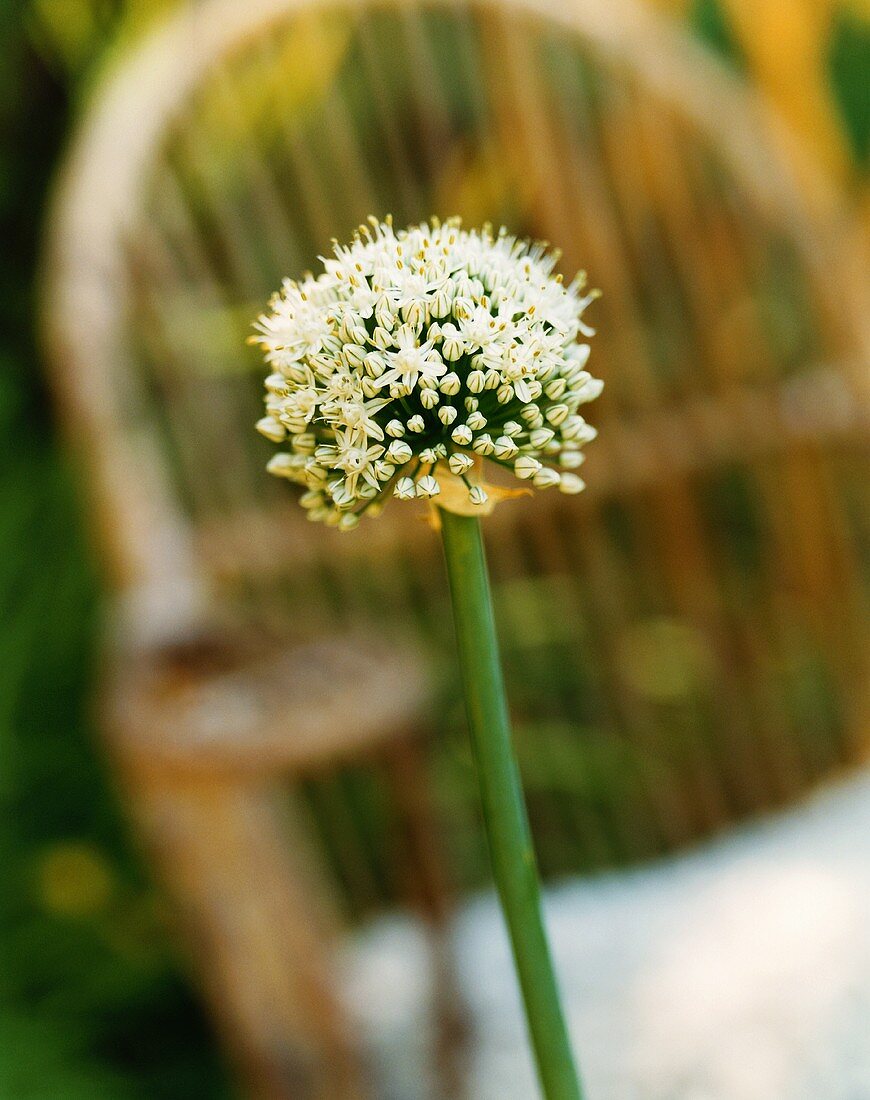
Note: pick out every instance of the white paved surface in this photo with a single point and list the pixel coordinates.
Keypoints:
(740, 971)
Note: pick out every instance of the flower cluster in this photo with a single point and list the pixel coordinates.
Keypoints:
(415, 354)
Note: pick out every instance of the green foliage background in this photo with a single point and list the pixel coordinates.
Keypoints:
(93, 1002)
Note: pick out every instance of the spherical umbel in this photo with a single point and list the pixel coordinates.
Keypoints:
(417, 354)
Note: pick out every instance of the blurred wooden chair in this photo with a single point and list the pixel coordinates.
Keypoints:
(719, 531)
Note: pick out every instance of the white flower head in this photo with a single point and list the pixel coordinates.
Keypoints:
(416, 354)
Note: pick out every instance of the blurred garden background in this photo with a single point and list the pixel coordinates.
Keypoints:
(93, 997)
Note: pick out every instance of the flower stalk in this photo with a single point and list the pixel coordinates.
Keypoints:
(507, 827)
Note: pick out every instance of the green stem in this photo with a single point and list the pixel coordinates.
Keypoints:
(507, 826)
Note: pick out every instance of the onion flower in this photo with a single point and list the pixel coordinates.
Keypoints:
(411, 361)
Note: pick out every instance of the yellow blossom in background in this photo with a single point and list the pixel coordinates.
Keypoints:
(74, 879)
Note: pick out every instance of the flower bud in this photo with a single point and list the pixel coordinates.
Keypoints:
(343, 497)
(452, 347)
(353, 355)
(304, 444)
(505, 448)
(460, 463)
(276, 383)
(415, 313)
(540, 437)
(429, 398)
(576, 430)
(283, 465)
(314, 475)
(312, 499)
(571, 484)
(589, 391)
(526, 467)
(271, 429)
(441, 302)
(359, 335)
(428, 487)
(295, 372)
(375, 364)
(545, 478)
(556, 414)
(384, 314)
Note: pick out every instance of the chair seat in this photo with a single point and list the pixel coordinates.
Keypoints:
(221, 701)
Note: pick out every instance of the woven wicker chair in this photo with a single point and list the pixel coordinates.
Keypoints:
(715, 549)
